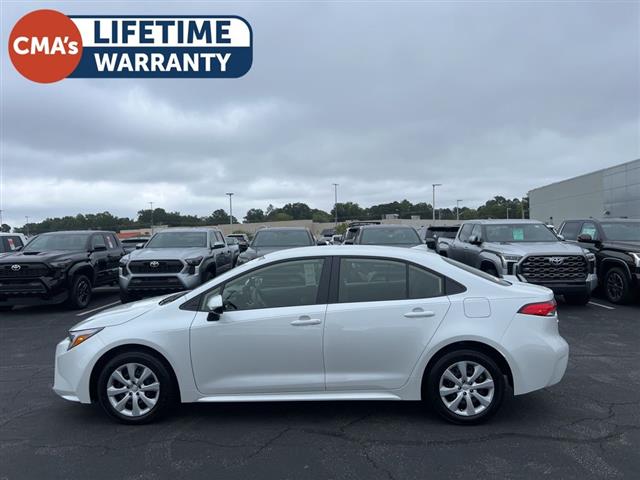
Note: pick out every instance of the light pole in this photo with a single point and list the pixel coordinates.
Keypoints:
(458, 209)
(508, 213)
(335, 201)
(230, 208)
(151, 208)
(433, 205)
(27, 224)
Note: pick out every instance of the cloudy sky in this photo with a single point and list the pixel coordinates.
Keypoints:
(384, 99)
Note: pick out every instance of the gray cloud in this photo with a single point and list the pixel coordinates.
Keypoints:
(384, 99)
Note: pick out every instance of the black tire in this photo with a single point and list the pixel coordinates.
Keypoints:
(449, 360)
(80, 292)
(491, 271)
(208, 275)
(165, 397)
(616, 286)
(126, 297)
(577, 298)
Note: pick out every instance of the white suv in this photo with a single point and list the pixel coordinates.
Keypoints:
(331, 323)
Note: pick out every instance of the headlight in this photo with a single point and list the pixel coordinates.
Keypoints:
(193, 262)
(123, 262)
(80, 336)
(591, 257)
(512, 258)
(63, 265)
(636, 258)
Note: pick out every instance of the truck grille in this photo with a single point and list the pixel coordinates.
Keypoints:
(554, 268)
(155, 283)
(156, 266)
(26, 270)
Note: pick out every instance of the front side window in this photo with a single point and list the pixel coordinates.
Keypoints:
(178, 240)
(285, 284)
(389, 236)
(371, 280)
(477, 231)
(282, 238)
(465, 232)
(570, 230)
(523, 232)
(589, 228)
(10, 243)
(61, 241)
(98, 241)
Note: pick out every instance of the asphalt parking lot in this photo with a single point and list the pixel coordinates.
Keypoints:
(588, 426)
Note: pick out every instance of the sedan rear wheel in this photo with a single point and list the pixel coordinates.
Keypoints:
(466, 386)
(135, 388)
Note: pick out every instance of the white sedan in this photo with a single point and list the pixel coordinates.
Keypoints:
(330, 323)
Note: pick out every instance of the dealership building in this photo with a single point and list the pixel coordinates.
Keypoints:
(610, 192)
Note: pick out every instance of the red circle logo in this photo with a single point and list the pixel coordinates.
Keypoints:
(45, 46)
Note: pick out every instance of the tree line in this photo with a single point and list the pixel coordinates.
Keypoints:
(497, 207)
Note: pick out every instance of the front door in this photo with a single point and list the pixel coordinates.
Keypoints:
(269, 338)
(385, 315)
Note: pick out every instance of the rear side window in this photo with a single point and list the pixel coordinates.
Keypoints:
(10, 243)
(112, 244)
(570, 230)
(465, 231)
(424, 284)
(97, 241)
(371, 280)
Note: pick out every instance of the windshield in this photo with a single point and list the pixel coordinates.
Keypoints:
(528, 232)
(476, 272)
(62, 241)
(282, 238)
(622, 231)
(178, 240)
(232, 240)
(390, 236)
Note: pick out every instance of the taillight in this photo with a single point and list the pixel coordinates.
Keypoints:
(541, 309)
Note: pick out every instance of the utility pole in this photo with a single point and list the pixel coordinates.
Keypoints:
(27, 224)
(458, 209)
(335, 201)
(230, 209)
(151, 208)
(433, 205)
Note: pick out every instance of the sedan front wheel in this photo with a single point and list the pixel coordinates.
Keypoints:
(135, 388)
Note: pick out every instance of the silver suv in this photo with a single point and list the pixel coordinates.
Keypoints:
(529, 251)
(174, 259)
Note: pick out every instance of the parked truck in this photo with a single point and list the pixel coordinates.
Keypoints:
(528, 251)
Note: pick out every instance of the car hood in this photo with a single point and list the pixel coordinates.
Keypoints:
(168, 253)
(39, 257)
(529, 248)
(119, 315)
(627, 246)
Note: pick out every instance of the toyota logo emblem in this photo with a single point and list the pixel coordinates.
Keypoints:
(154, 264)
(15, 268)
(556, 260)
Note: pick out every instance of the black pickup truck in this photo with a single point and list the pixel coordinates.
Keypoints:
(616, 245)
(59, 267)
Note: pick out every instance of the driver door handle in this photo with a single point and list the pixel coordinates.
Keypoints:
(304, 320)
(419, 313)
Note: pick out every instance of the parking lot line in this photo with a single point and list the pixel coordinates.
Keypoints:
(97, 308)
(603, 306)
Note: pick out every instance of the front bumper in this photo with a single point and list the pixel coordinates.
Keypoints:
(33, 291)
(73, 369)
(152, 283)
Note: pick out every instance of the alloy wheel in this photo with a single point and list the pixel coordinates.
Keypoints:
(83, 292)
(133, 389)
(615, 286)
(466, 388)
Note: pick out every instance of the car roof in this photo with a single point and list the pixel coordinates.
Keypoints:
(69, 232)
(350, 250)
(505, 221)
(612, 220)
(188, 229)
(271, 229)
(387, 225)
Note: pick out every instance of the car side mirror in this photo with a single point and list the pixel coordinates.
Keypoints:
(348, 242)
(215, 307)
(243, 247)
(475, 240)
(561, 237)
(431, 243)
(99, 248)
(218, 245)
(585, 238)
(139, 246)
(321, 242)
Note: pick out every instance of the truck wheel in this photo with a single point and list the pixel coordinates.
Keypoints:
(577, 298)
(126, 297)
(491, 271)
(616, 286)
(80, 292)
(208, 275)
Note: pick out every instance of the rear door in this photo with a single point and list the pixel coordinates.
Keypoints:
(114, 253)
(382, 314)
(100, 256)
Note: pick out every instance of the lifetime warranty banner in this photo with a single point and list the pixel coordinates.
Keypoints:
(47, 46)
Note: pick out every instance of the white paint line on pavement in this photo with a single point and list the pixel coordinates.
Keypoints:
(97, 308)
(602, 306)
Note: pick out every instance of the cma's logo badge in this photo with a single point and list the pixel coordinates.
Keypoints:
(556, 261)
(154, 264)
(47, 46)
(16, 268)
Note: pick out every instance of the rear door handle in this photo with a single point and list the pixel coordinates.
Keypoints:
(302, 321)
(419, 313)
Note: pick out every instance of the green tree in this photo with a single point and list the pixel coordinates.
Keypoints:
(219, 217)
(5, 228)
(254, 215)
